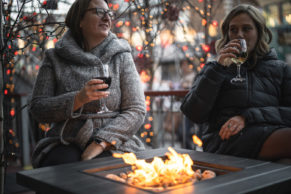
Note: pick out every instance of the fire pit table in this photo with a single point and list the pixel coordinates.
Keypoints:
(234, 175)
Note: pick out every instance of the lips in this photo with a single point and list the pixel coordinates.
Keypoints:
(104, 25)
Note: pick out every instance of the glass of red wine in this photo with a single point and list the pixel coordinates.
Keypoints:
(107, 80)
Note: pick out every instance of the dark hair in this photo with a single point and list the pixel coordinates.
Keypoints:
(74, 17)
(264, 34)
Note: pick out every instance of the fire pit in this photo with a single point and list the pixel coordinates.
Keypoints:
(233, 175)
(159, 174)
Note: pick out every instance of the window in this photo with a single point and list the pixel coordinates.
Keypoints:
(272, 15)
(286, 13)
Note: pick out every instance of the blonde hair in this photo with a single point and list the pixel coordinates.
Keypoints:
(264, 34)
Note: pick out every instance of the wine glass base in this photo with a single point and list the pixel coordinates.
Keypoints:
(104, 109)
(237, 80)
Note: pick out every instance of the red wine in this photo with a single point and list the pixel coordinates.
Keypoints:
(107, 80)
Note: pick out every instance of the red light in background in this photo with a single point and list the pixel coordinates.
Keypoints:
(147, 102)
(215, 23)
(12, 112)
(185, 48)
(127, 23)
(138, 48)
(206, 47)
(119, 24)
(204, 22)
(147, 126)
(116, 6)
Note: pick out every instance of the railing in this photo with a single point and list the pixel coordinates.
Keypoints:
(161, 114)
(179, 93)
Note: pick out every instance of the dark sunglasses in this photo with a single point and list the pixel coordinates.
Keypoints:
(102, 12)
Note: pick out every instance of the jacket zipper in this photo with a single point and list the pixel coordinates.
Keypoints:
(248, 85)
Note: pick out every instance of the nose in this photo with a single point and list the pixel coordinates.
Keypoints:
(240, 34)
(106, 17)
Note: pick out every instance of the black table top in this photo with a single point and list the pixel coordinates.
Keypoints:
(254, 176)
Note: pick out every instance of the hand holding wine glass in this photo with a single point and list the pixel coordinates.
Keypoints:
(105, 77)
(89, 92)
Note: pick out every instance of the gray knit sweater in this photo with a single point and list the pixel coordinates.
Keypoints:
(65, 70)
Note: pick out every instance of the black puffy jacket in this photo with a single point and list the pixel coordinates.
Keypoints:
(264, 101)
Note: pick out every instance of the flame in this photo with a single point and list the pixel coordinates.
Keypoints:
(177, 169)
(197, 141)
(128, 158)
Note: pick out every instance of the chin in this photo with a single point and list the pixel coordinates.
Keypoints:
(103, 34)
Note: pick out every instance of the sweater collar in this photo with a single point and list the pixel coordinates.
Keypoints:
(68, 49)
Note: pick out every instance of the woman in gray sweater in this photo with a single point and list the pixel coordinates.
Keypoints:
(67, 95)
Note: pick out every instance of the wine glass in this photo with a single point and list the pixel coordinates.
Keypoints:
(239, 60)
(107, 80)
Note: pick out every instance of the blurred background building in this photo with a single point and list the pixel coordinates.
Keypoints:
(278, 17)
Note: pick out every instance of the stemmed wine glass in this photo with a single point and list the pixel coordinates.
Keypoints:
(107, 80)
(239, 60)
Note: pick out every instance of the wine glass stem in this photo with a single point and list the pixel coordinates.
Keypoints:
(238, 70)
(101, 104)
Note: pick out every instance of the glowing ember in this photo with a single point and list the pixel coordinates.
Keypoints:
(197, 141)
(177, 169)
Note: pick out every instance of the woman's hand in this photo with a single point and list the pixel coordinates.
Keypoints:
(93, 150)
(90, 92)
(228, 51)
(231, 127)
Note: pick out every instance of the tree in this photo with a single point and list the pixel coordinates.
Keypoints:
(153, 26)
(156, 19)
(26, 27)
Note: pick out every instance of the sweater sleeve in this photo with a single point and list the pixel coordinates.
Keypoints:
(277, 115)
(132, 108)
(45, 106)
(198, 103)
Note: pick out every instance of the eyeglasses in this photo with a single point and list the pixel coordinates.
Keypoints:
(102, 12)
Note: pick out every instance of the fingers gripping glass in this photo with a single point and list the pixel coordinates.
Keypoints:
(239, 60)
(102, 12)
(107, 80)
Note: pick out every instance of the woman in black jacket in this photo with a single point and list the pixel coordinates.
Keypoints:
(251, 119)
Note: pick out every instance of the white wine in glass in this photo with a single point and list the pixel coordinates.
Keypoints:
(239, 60)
